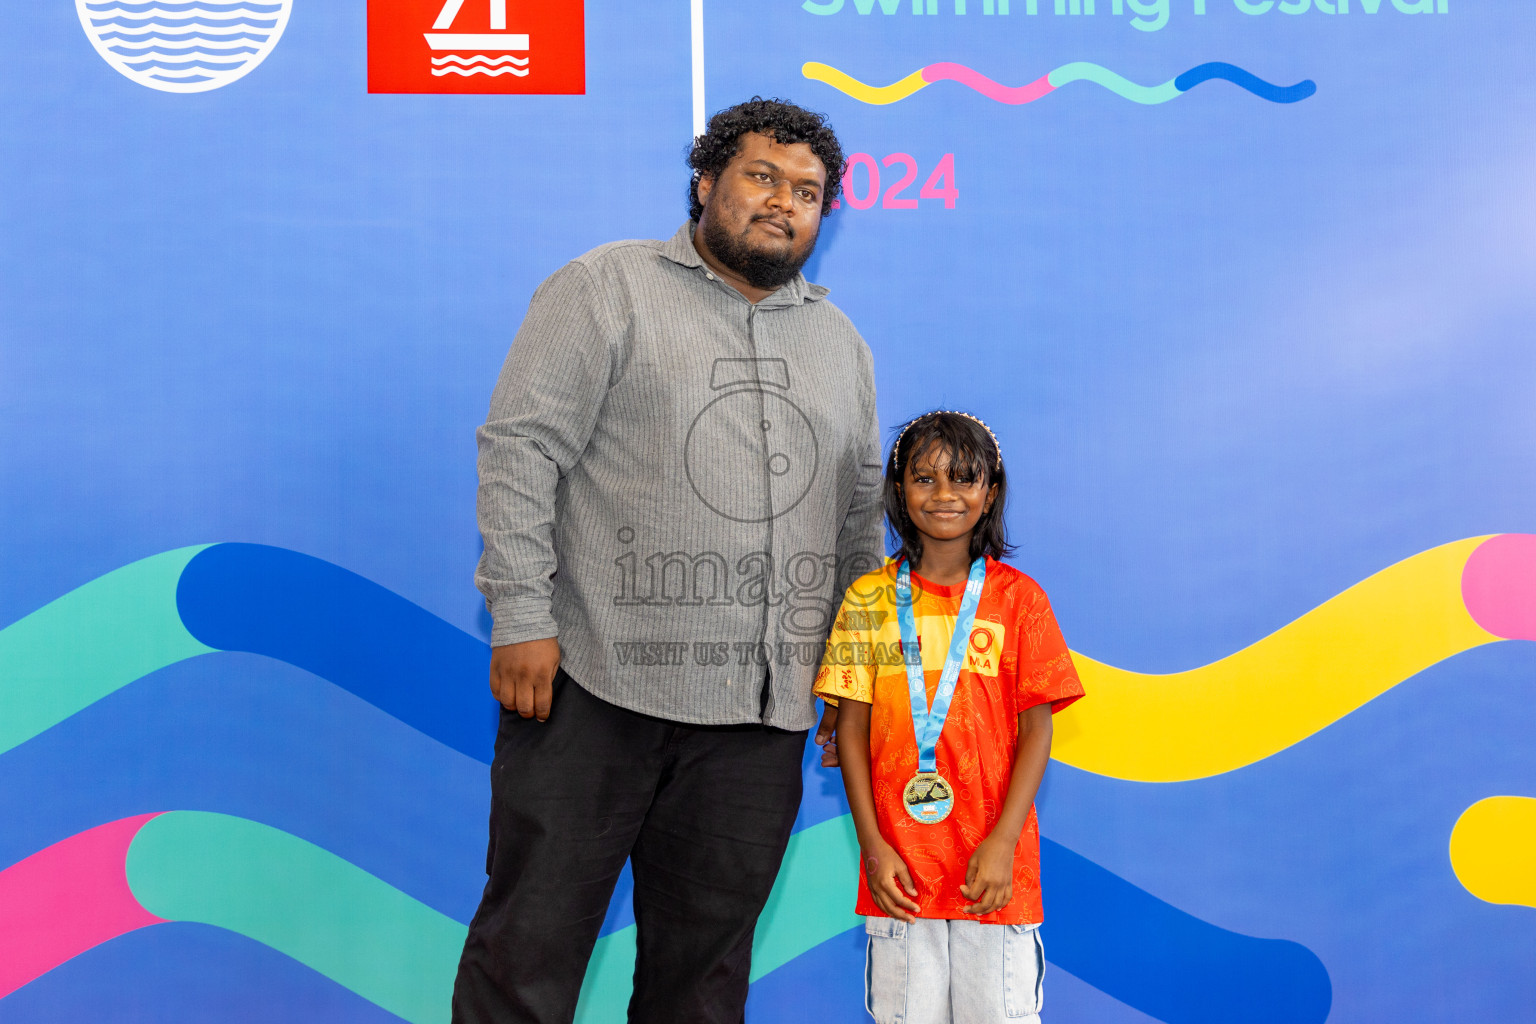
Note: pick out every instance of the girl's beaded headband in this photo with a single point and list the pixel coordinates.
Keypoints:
(997, 464)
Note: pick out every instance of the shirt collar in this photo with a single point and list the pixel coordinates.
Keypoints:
(679, 249)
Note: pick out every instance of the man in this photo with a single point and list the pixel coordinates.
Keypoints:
(679, 475)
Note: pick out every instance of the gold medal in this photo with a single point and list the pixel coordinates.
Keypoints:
(928, 798)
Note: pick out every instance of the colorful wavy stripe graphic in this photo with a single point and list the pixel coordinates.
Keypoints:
(1306, 675)
(1078, 71)
(319, 617)
(424, 671)
(351, 927)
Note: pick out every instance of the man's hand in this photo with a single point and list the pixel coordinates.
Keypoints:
(522, 676)
(826, 736)
(889, 882)
(989, 877)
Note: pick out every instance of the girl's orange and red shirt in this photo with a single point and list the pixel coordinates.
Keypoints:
(1016, 659)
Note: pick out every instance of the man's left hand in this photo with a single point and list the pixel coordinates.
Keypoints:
(826, 736)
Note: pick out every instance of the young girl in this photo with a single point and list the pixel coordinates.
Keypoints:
(946, 666)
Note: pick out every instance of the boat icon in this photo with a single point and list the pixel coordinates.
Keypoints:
(476, 53)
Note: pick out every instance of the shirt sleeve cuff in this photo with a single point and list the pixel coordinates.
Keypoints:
(518, 620)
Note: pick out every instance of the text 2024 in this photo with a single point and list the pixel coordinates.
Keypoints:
(862, 181)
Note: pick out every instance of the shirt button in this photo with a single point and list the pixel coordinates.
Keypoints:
(709, 275)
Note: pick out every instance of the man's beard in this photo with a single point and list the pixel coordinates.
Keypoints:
(768, 270)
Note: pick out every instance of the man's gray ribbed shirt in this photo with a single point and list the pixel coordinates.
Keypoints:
(678, 484)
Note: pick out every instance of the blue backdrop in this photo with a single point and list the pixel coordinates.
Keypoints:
(1245, 342)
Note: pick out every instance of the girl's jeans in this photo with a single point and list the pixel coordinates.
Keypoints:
(952, 972)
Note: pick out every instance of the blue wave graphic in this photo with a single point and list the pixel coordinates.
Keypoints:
(365, 638)
(183, 78)
(200, 23)
(172, 37)
(1245, 79)
(1167, 963)
(131, 51)
(186, 65)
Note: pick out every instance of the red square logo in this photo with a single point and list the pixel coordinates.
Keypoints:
(476, 46)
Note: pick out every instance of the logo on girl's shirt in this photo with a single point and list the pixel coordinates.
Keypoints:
(981, 656)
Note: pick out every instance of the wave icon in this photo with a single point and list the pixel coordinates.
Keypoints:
(184, 47)
(465, 65)
(1078, 71)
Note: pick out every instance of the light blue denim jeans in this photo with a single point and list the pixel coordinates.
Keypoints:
(952, 972)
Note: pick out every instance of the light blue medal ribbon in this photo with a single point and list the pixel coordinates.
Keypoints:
(929, 797)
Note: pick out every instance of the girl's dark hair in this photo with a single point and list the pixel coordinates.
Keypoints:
(972, 453)
(784, 122)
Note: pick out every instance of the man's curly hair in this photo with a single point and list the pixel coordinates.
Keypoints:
(786, 123)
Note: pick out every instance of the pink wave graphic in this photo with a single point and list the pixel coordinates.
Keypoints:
(1017, 94)
(66, 899)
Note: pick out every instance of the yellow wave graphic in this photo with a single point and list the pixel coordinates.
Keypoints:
(876, 94)
(1280, 690)
(1493, 850)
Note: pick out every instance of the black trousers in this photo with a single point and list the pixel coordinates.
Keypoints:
(703, 813)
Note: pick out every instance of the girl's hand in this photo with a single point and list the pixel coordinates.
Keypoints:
(989, 877)
(826, 737)
(890, 883)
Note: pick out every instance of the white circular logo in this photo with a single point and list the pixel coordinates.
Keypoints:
(184, 47)
(711, 455)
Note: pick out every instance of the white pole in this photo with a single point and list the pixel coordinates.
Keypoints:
(697, 25)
